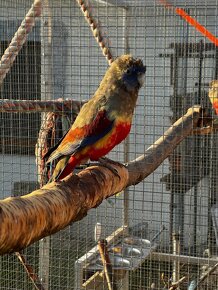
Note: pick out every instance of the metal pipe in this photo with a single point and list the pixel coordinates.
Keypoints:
(46, 94)
(164, 257)
(126, 26)
(176, 251)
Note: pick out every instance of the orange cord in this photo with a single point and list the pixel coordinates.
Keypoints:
(181, 12)
(197, 25)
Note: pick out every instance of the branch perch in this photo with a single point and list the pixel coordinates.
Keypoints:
(144, 165)
(26, 219)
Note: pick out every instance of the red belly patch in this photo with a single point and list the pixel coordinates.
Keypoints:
(118, 134)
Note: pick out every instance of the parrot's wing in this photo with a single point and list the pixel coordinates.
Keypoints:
(101, 126)
(52, 149)
(91, 133)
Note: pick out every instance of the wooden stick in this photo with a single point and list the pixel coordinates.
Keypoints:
(164, 146)
(30, 272)
(26, 219)
(108, 271)
(176, 284)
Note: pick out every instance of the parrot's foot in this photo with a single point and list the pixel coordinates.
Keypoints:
(106, 162)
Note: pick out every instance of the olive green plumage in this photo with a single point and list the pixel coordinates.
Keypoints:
(104, 121)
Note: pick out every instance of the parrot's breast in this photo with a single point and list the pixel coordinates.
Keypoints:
(215, 106)
(106, 144)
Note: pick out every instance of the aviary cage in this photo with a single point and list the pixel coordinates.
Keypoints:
(162, 232)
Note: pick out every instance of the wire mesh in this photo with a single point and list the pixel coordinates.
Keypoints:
(61, 59)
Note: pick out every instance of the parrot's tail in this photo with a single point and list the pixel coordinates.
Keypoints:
(64, 167)
(71, 164)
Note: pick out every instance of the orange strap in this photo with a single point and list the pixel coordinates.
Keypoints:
(197, 25)
(181, 12)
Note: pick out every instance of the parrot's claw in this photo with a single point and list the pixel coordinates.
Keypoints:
(106, 162)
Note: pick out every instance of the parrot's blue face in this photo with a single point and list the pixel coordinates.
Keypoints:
(133, 77)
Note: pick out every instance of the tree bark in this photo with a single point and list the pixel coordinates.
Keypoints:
(26, 219)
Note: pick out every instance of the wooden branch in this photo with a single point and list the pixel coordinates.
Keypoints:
(164, 146)
(26, 219)
(43, 212)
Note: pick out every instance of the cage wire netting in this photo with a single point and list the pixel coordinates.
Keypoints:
(171, 218)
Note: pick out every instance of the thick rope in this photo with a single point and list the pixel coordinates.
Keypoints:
(19, 39)
(32, 106)
(96, 31)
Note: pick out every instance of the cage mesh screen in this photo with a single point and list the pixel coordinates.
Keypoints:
(171, 216)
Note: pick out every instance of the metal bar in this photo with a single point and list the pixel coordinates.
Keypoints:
(177, 207)
(176, 251)
(164, 257)
(46, 94)
(126, 26)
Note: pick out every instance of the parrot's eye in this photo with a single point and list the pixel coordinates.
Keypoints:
(128, 71)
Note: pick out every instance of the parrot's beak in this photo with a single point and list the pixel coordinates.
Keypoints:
(141, 79)
(144, 69)
(141, 76)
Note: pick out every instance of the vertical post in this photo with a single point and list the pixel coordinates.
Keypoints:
(178, 194)
(46, 94)
(180, 88)
(176, 263)
(126, 26)
(196, 148)
(213, 194)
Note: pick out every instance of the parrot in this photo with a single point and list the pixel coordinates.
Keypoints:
(104, 121)
(213, 95)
